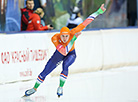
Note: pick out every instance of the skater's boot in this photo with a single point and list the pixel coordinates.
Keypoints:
(60, 91)
(30, 92)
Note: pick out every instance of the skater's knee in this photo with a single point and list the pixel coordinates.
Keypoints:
(69, 61)
(65, 72)
(41, 78)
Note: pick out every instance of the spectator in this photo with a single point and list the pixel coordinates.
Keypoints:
(35, 21)
(40, 4)
(75, 18)
(25, 13)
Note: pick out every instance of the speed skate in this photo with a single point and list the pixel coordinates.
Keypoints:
(59, 91)
(29, 92)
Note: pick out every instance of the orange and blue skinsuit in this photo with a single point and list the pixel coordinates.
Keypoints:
(64, 51)
(68, 57)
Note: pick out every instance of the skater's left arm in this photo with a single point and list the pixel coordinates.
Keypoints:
(94, 15)
(80, 27)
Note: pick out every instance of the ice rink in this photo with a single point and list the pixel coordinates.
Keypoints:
(114, 85)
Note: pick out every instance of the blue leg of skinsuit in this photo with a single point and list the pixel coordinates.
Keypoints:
(52, 64)
(67, 61)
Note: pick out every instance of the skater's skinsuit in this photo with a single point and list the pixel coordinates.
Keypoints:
(65, 51)
(70, 56)
(58, 57)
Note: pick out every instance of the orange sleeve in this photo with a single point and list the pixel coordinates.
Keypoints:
(77, 29)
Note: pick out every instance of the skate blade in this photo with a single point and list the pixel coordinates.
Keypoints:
(25, 96)
(59, 96)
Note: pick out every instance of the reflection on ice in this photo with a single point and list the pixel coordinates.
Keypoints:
(34, 99)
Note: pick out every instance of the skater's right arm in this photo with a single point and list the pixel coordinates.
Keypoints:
(54, 39)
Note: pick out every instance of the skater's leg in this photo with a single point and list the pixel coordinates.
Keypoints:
(51, 65)
(68, 60)
(41, 77)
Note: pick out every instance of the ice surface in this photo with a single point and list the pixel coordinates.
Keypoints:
(114, 85)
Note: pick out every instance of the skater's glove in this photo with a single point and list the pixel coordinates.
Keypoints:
(101, 10)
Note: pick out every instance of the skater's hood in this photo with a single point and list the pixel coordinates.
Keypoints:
(64, 31)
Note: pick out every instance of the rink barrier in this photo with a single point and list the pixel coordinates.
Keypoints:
(24, 55)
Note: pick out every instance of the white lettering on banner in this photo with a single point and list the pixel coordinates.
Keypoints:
(23, 56)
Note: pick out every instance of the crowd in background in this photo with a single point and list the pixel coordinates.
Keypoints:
(120, 13)
(32, 20)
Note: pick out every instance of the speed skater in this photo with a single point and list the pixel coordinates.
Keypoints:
(65, 51)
